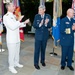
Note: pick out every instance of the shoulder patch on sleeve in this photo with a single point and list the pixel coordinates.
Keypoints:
(7, 14)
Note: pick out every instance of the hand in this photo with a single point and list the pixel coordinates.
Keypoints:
(20, 18)
(46, 21)
(42, 22)
(73, 27)
(0, 19)
(26, 21)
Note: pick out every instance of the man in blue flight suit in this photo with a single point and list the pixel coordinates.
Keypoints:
(67, 39)
(42, 23)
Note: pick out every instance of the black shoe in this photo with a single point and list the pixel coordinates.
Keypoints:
(43, 64)
(73, 61)
(62, 67)
(37, 67)
(71, 68)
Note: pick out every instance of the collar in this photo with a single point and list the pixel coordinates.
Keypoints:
(10, 13)
(42, 16)
(69, 18)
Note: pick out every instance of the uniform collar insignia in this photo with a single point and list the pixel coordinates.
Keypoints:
(7, 14)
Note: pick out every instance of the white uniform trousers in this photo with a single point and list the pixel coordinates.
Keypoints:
(74, 41)
(13, 56)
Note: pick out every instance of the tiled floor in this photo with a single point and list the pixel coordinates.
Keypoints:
(26, 58)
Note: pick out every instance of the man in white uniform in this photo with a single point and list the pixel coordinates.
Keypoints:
(12, 37)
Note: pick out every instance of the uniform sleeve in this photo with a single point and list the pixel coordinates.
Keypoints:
(22, 25)
(62, 27)
(35, 23)
(10, 23)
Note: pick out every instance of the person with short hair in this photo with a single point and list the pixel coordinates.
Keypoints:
(13, 37)
(67, 39)
(42, 22)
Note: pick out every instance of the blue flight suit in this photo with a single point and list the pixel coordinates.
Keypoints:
(66, 41)
(41, 37)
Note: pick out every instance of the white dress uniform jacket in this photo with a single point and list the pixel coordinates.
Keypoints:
(12, 26)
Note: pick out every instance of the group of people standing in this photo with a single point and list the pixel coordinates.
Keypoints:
(42, 23)
(67, 28)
